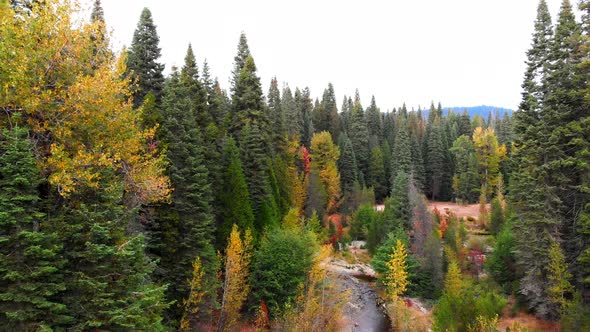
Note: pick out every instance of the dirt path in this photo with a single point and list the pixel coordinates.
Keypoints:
(459, 210)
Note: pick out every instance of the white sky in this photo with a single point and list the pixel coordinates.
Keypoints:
(458, 52)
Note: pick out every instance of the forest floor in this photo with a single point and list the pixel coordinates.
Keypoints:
(460, 210)
(507, 321)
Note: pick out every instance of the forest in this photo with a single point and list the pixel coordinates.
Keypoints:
(131, 200)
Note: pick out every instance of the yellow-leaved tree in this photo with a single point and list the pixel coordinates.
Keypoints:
(196, 294)
(324, 155)
(74, 95)
(489, 154)
(396, 279)
(319, 303)
(235, 286)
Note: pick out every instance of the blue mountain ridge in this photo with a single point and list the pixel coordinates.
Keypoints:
(482, 111)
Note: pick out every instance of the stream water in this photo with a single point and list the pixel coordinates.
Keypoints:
(363, 310)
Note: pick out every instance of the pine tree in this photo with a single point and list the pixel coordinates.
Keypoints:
(435, 159)
(304, 106)
(107, 274)
(359, 136)
(240, 61)
(30, 263)
(142, 59)
(256, 172)
(376, 178)
(347, 164)
(373, 115)
(276, 114)
(234, 196)
(466, 182)
(292, 116)
(247, 101)
(401, 156)
(418, 171)
(185, 227)
(330, 120)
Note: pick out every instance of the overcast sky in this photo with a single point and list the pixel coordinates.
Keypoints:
(458, 52)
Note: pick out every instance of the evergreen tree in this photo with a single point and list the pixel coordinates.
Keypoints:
(330, 120)
(347, 168)
(435, 159)
(185, 227)
(418, 171)
(466, 182)
(401, 156)
(234, 196)
(142, 59)
(277, 117)
(240, 61)
(373, 115)
(303, 103)
(359, 136)
(107, 274)
(376, 177)
(30, 263)
(256, 171)
(247, 101)
(292, 116)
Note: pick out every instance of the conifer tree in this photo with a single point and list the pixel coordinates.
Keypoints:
(256, 172)
(466, 182)
(185, 228)
(247, 101)
(30, 263)
(418, 171)
(234, 196)
(240, 61)
(304, 104)
(435, 159)
(142, 59)
(276, 114)
(401, 156)
(347, 164)
(359, 136)
(330, 120)
(376, 178)
(373, 115)
(292, 116)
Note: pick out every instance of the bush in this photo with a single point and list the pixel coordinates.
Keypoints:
(280, 266)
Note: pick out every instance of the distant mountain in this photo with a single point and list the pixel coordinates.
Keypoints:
(482, 111)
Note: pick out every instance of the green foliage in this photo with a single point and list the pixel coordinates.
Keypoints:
(184, 228)
(466, 182)
(142, 58)
(359, 136)
(462, 304)
(30, 263)
(280, 266)
(501, 263)
(376, 178)
(399, 202)
(496, 216)
(401, 158)
(107, 274)
(233, 196)
(362, 219)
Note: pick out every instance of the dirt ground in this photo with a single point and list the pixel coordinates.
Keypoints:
(459, 210)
